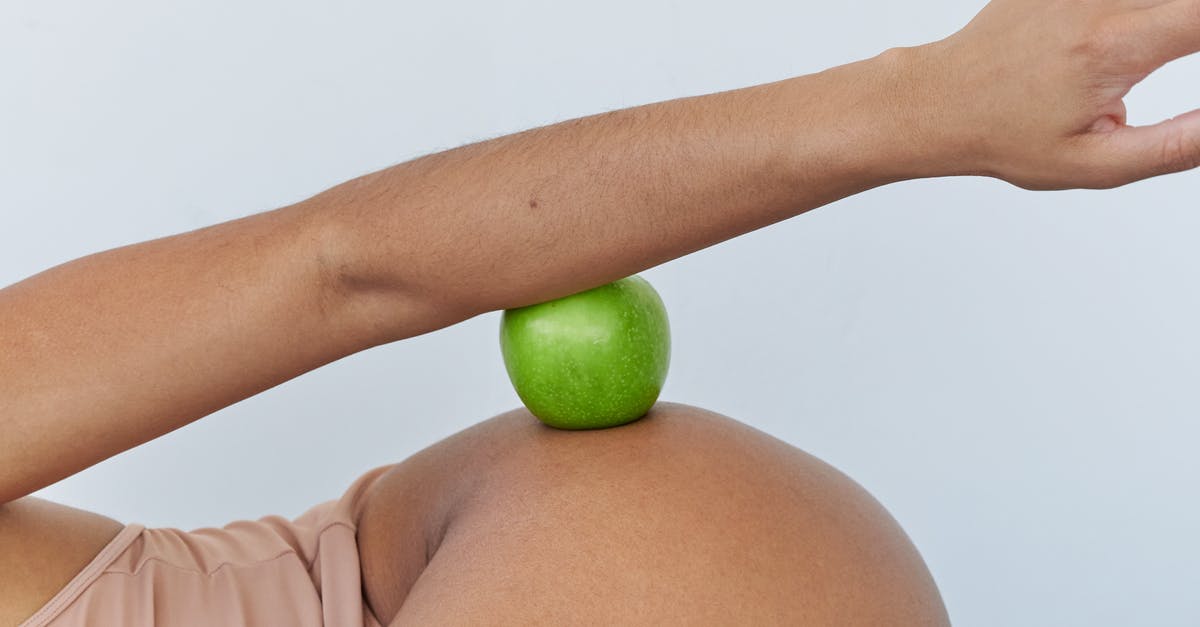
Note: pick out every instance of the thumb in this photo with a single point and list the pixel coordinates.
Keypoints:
(1132, 153)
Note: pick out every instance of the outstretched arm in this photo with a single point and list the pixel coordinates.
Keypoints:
(109, 351)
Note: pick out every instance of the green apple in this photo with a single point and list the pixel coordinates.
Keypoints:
(591, 360)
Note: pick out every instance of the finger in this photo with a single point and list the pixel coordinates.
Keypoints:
(1166, 32)
(1132, 153)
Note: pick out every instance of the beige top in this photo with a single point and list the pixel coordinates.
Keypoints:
(260, 573)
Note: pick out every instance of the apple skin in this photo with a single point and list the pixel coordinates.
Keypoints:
(591, 360)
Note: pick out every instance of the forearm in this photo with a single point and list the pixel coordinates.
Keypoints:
(1028, 92)
(556, 210)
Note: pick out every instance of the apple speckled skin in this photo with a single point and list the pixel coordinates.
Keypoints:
(591, 360)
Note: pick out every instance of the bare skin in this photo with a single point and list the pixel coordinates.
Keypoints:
(112, 350)
(685, 517)
(42, 546)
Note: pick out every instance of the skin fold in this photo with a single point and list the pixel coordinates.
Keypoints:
(114, 349)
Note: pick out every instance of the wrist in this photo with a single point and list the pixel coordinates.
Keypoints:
(902, 117)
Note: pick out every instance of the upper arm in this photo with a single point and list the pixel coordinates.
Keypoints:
(114, 349)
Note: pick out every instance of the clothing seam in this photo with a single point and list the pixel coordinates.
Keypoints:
(99, 566)
(92, 572)
(289, 551)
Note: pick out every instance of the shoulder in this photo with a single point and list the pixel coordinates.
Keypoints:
(43, 545)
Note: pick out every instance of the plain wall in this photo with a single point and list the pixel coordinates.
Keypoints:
(1013, 374)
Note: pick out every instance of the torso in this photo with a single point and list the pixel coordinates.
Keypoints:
(43, 545)
(399, 529)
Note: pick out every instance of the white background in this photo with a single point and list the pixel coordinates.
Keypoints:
(1013, 374)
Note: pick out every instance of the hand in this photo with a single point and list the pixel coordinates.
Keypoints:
(1031, 91)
